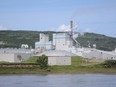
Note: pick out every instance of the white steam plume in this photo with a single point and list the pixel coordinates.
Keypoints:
(64, 27)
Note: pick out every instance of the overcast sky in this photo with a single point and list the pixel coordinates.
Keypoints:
(97, 16)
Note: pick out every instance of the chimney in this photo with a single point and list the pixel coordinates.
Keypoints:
(71, 24)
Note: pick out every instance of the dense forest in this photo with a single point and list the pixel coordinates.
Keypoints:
(102, 42)
(14, 39)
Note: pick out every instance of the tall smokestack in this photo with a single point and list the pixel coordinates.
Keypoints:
(71, 24)
(71, 27)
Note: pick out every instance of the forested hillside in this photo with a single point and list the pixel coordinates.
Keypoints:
(102, 42)
(16, 38)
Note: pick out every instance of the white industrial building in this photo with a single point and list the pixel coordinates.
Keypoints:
(99, 55)
(59, 50)
(43, 44)
(61, 41)
(14, 55)
(24, 46)
(57, 57)
(64, 42)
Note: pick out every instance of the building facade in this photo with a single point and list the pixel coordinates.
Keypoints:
(57, 57)
(62, 41)
(15, 55)
(43, 44)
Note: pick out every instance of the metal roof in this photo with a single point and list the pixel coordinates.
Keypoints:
(56, 53)
(14, 50)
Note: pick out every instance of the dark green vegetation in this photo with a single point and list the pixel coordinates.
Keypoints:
(43, 61)
(78, 66)
(103, 42)
(16, 38)
(110, 63)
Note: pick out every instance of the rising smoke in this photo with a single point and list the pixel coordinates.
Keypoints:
(64, 28)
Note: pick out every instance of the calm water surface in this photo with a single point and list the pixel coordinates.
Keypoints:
(69, 80)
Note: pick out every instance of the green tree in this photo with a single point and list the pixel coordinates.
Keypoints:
(19, 57)
(43, 61)
(110, 63)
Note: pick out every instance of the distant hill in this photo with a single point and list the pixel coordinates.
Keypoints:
(16, 38)
(102, 42)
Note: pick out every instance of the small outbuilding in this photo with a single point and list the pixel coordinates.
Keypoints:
(99, 55)
(14, 55)
(58, 57)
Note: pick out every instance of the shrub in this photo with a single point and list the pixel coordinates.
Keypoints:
(43, 61)
(110, 63)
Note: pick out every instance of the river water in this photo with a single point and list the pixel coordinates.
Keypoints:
(54, 80)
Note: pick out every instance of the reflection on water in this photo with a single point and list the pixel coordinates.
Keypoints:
(69, 80)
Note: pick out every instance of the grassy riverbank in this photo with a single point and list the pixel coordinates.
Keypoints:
(78, 67)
